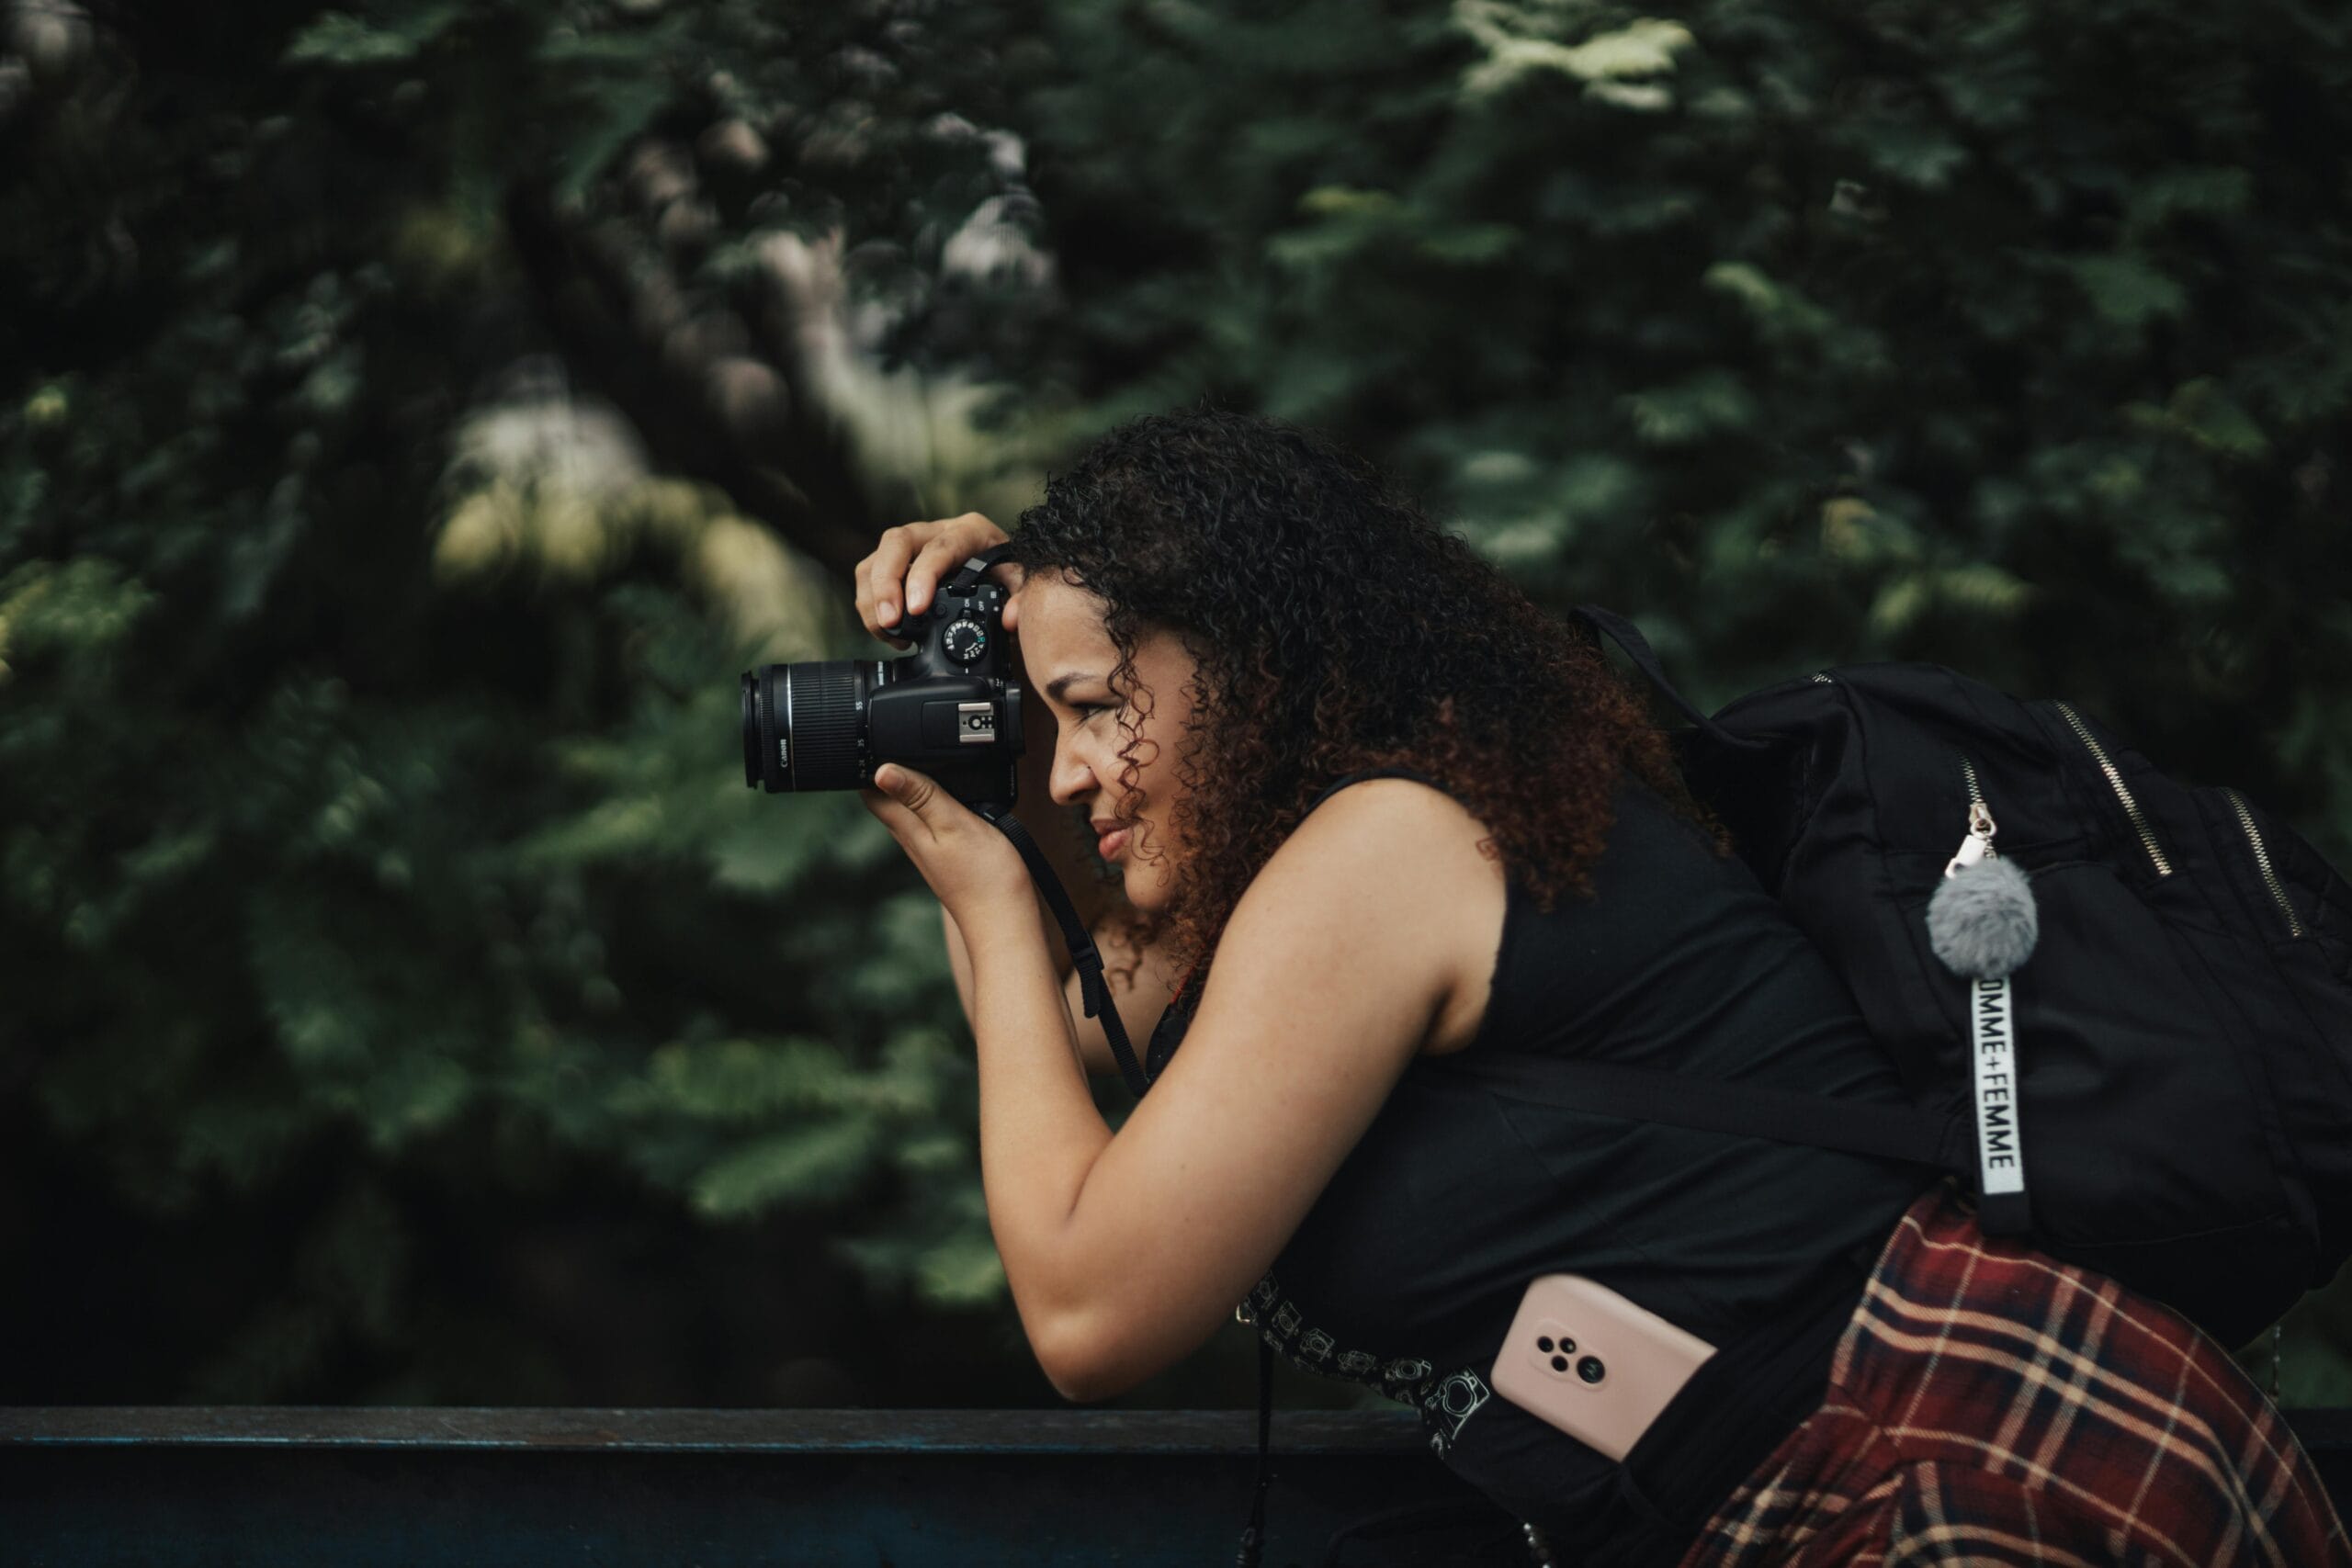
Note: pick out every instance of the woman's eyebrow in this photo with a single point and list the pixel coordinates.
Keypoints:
(1061, 683)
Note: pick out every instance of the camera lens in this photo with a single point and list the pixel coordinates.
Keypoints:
(803, 724)
(1590, 1370)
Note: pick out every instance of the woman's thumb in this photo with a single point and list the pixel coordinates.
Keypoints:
(904, 785)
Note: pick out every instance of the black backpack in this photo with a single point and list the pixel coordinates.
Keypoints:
(2161, 1091)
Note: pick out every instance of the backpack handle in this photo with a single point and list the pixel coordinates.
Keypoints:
(1625, 635)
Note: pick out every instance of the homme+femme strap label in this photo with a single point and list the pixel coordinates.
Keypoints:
(1993, 1060)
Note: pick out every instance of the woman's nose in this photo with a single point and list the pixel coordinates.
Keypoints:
(1071, 778)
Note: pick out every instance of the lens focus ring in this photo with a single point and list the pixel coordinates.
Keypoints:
(824, 719)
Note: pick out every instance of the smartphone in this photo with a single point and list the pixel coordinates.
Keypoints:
(1593, 1364)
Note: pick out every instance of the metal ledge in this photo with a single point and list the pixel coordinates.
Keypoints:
(713, 1431)
(300, 1486)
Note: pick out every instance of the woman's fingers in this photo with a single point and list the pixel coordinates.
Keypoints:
(893, 813)
(942, 555)
(887, 569)
(957, 542)
(903, 572)
(910, 789)
(880, 575)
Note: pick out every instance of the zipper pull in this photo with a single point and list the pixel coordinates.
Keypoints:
(1978, 845)
(1982, 924)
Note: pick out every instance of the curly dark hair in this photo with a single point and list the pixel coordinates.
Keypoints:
(1336, 628)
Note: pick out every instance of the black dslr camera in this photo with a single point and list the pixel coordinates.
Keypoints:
(948, 709)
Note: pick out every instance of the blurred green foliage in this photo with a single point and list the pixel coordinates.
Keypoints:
(413, 414)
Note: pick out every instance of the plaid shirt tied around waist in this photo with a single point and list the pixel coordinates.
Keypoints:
(1989, 1405)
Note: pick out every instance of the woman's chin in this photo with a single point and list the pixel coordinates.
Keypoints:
(1145, 887)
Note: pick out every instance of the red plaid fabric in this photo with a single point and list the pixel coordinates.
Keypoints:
(1988, 1404)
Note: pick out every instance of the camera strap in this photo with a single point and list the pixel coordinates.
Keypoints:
(1083, 953)
(969, 575)
(1089, 962)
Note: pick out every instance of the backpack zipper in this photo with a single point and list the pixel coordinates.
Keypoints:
(2262, 860)
(2115, 782)
(1978, 845)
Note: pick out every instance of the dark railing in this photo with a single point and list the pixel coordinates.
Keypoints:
(260, 1487)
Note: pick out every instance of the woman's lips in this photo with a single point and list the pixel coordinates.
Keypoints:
(1112, 843)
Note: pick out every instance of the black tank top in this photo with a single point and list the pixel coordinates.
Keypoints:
(1405, 1274)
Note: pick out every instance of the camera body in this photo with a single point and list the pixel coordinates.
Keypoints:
(949, 709)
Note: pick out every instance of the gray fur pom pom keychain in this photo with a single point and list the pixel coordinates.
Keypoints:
(1982, 920)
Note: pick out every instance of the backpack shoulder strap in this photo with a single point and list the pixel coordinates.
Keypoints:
(1709, 1105)
(1625, 635)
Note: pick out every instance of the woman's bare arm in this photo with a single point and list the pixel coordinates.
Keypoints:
(1141, 996)
(1310, 1017)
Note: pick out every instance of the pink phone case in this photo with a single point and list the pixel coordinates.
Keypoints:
(1592, 1363)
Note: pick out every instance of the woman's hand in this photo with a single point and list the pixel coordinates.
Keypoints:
(979, 876)
(906, 567)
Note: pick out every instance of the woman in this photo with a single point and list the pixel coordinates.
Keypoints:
(1230, 624)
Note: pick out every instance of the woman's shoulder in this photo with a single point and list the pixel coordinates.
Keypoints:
(1389, 804)
(1389, 846)
(1397, 851)
(1402, 853)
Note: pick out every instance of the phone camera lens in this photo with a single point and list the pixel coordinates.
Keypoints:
(1559, 1363)
(1543, 1342)
(1590, 1370)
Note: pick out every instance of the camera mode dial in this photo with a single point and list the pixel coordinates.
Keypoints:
(965, 640)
